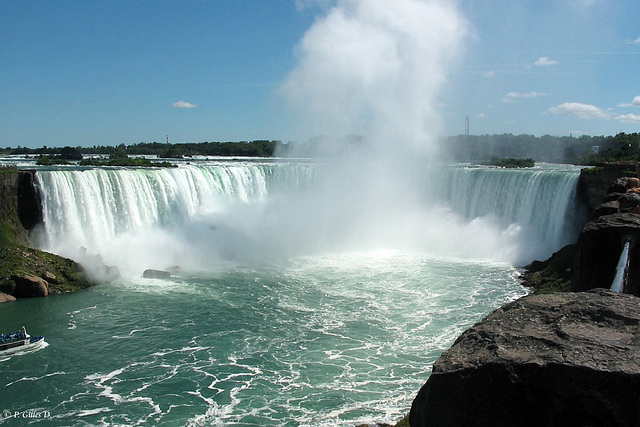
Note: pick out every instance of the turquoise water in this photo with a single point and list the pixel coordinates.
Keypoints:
(311, 294)
(327, 340)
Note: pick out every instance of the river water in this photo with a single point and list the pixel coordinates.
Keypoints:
(257, 327)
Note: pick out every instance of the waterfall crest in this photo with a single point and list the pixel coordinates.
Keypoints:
(197, 215)
(539, 203)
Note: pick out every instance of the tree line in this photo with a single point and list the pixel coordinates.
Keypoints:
(257, 148)
(584, 149)
(587, 150)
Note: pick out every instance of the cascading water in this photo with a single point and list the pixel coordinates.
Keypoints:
(537, 208)
(320, 294)
(299, 309)
(161, 217)
(195, 215)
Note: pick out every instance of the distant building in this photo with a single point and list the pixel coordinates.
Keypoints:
(595, 149)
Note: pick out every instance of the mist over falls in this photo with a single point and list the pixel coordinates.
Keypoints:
(376, 68)
(368, 78)
(370, 68)
(198, 217)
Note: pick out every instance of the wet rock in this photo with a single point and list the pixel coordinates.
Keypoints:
(552, 275)
(50, 277)
(565, 359)
(28, 285)
(156, 274)
(607, 207)
(6, 298)
(29, 204)
(598, 251)
(8, 286)
(595, 184)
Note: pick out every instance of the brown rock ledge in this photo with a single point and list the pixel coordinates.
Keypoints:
(564, 359)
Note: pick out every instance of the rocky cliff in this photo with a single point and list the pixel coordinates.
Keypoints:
(599, 249)
(565, 359)
(595, 183)
(11, 228)
(27, 272)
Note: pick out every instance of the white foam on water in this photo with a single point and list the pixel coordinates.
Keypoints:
(329, 340)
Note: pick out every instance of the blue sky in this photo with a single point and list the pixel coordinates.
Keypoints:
(78, 72)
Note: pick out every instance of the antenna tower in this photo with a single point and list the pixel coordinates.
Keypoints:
(466, 125)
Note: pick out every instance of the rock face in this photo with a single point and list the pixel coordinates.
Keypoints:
(594, 185)
(6, 298)
(26, 272)
(598, 251)
(565, 359)
(28, 285)
(10, 224)
(29, 206)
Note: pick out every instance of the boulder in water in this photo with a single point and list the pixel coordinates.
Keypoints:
(156, 274)
(565, 359)
(6, 298)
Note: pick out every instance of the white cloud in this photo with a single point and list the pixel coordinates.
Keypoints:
(634, 103)
(628, 118)
(636, 41)
(512, 96)
(526, 95)
(545, 62)
(490, 74)
(184, 104)
(582, 111)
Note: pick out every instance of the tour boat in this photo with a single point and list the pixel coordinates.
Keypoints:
(14, 342)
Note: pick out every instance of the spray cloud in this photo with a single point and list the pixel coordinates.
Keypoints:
(375, 68)
(368, 78)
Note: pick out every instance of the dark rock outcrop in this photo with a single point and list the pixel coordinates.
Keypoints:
(598, 251)
(29, 285)
(552, 275)
(565, 359)
(29, 206)
(10, 225)
(595, 183)
(156, 274)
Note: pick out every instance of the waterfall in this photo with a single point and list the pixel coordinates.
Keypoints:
(540, 203)
(100, 210)
(198, 214)
(620, 279)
